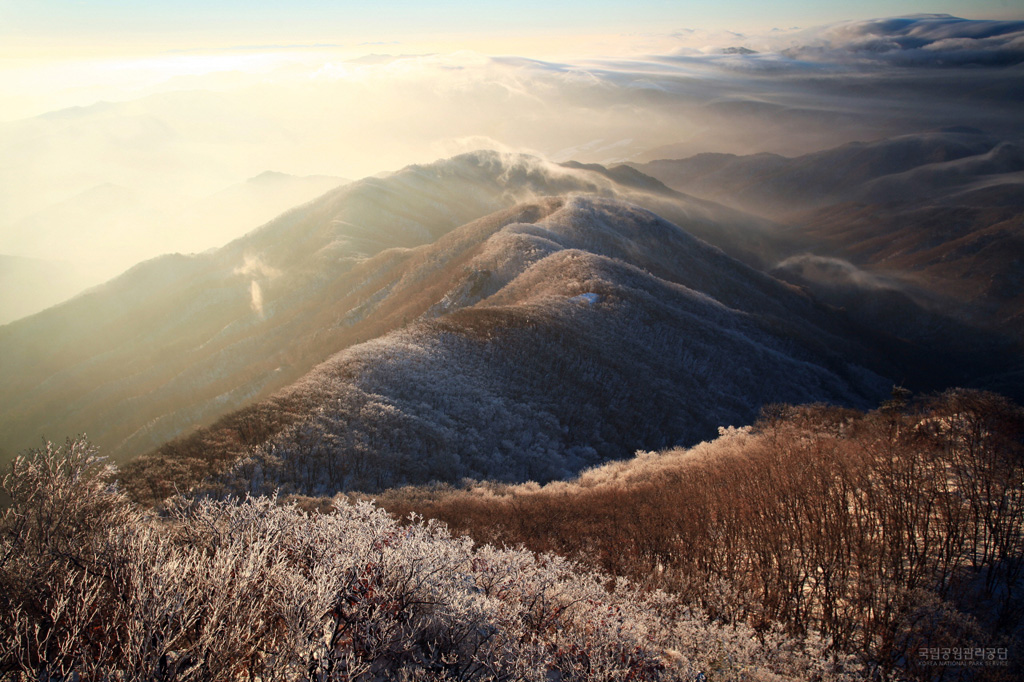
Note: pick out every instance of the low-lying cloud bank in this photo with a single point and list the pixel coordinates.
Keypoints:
(935, 40)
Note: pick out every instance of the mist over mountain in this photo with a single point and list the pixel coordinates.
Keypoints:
(540, 336)
(933, 166)
(179, 340)
(921, 40)
(920, 234)
(105, 229)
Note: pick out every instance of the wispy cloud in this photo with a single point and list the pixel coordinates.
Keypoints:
(936, 40)
(256, 294)
(267, 47)
(254, 267)
(834, 272)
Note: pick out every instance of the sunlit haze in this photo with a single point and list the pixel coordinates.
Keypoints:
(133, 129)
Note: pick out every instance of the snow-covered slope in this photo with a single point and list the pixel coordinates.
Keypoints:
(584, 330)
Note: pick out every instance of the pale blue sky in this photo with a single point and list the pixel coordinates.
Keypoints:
(207, 23)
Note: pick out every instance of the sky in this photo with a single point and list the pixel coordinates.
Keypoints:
(62, 53)
(78, 27)
(130, 128)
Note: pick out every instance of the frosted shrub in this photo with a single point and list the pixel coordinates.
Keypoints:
(91, 588)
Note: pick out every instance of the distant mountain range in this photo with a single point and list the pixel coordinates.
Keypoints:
(937, 166)
(494, 315)
(920, 234)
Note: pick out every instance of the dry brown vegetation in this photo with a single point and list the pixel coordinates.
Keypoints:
(93, 588)
(890, 532)
(773, 552)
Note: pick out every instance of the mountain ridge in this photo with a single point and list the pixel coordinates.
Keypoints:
(170, 343)
(602, 328)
